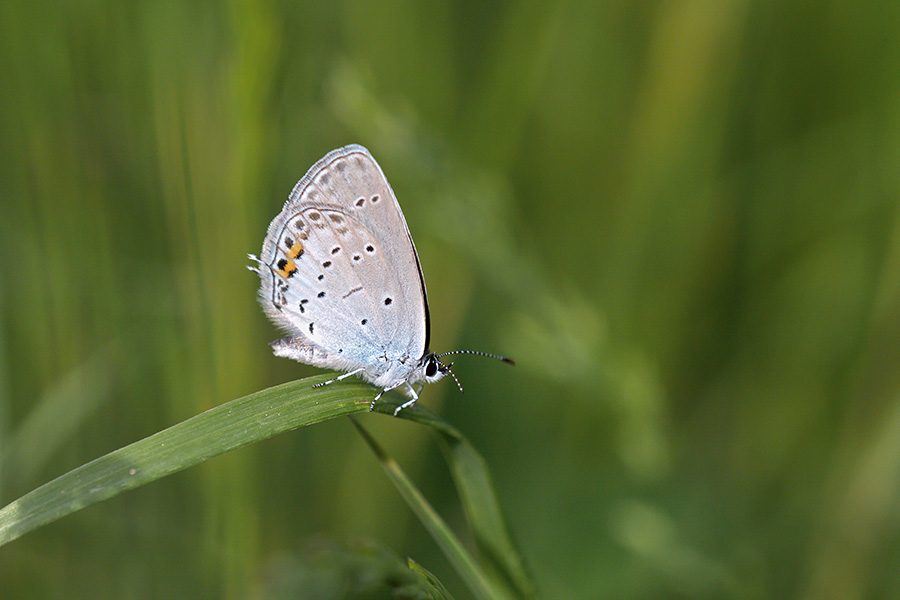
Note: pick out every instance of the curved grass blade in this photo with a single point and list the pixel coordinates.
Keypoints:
(481, 584)
(226, 427)
(435, 587)
(479, 500)
(482, 507)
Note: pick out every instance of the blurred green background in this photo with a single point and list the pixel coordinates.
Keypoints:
(680, 218)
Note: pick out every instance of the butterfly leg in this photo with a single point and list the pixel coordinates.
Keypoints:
(338, 378)
(409, 402)
(380, 394)
(386, 390)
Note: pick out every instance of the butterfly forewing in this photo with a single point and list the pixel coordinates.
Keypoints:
(342, 275)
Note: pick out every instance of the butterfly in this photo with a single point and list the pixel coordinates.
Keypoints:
(340, 275)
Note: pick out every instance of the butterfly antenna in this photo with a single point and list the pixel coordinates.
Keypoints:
(453, 375)
(508, 361)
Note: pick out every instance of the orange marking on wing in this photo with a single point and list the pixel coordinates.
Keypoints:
(295, 251)
(287, 269)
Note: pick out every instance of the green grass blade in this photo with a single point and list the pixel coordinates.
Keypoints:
(479, 500)
(358, 569)
(228, 426)
(437, 589)
(480, 583)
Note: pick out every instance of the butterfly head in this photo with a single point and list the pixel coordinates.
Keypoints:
(434, 369)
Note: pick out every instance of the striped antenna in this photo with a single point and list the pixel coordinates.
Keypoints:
(508, 361)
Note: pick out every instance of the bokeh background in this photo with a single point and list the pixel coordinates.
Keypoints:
(680, 218)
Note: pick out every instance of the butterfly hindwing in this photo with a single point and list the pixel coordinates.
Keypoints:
(340, 272)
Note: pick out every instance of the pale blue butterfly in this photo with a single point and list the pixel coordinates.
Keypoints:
(341, 276)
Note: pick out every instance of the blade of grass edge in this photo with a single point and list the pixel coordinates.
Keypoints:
(437, 589)
(218, 430)
(481, 584)
(482, 507)
(480, 503)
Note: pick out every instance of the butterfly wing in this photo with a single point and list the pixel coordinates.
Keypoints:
(340, 272)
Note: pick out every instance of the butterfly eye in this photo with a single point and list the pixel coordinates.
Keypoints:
(431, 368)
